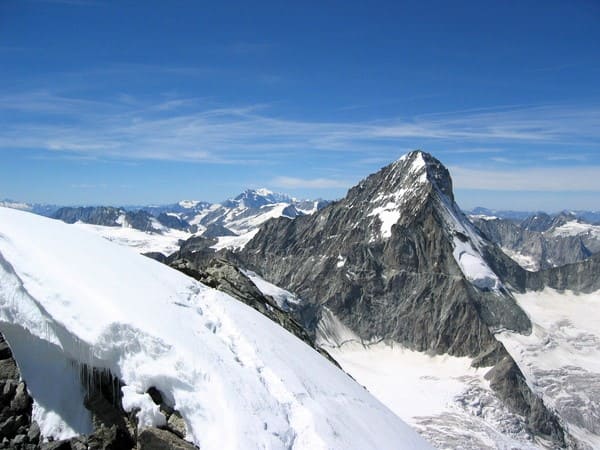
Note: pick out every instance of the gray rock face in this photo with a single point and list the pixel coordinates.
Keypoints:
(96, 215)
(507, 380)
(407, 286)
(171, 221)
(215, 230)
(112, 217)
(579, 277)
(538, 242)
(157, 439)
(17, 431)
(398, 279)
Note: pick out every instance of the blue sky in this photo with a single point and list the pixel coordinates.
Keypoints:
(123, 102)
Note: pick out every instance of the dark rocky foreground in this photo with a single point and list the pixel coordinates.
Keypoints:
(114, 429)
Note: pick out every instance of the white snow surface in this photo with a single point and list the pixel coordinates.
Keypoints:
(527, 262)
(282, 297)
(467, 247)
(561, 357)
(574, 228)
(473, 266)
(234, 242)
(165, 242)
(69, 297)
(388, 215)
(443, 397)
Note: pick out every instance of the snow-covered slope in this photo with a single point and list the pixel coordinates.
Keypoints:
(69, 297)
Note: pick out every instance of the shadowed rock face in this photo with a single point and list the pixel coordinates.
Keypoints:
(538, 239)
(581, 276)
(382, 261)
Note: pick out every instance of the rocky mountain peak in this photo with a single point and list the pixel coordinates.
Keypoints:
(255, 198)
(428, 169)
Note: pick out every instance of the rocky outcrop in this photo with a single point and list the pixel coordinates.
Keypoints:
(157, 439)
(172, 221)
(17, 430)
(215, 230)
(509, 383)
(114, 428)
(96, 215)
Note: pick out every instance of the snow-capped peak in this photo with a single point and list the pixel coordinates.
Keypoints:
(189, 204)
(263, 191)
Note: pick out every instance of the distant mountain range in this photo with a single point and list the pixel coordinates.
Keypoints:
(236, 219)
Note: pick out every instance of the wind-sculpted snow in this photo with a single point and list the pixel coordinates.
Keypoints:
(238, 380)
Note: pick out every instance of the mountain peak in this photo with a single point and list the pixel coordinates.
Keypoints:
(255, 198)
(404, 185)
(429, 169)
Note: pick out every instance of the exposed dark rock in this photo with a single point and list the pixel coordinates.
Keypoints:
(215, 230)
(8, 369)
(107, 216)
(17, 431)
(96, 215)
(57, 445)
(175, 422)
(579, 277)
(507, 380)
(157, 439)
(157, 256)
(34, 434)
(171, 221)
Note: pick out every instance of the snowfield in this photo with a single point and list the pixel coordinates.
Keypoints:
(166, 242)
(561, 357)
(447, 400)
(69, 297)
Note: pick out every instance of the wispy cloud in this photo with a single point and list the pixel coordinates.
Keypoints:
(528, 179)
(502, 160)
(568, 157)
(309, 183)
(192, 129)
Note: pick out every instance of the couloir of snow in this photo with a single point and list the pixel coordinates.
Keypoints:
(69, 297)
(561, 357)
(467, 246)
